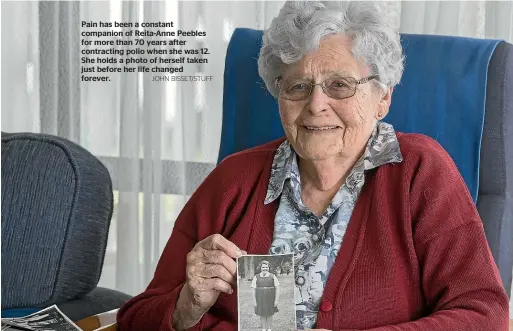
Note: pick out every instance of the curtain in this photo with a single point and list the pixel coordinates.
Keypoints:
(159, 141)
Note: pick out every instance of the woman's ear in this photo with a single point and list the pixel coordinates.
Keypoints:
(384, 104)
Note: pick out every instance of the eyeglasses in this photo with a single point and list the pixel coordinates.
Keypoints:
(336, 88)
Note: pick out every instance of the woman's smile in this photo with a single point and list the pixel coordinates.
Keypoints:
(320, 129)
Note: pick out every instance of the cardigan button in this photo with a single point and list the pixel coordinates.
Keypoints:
(326, 306)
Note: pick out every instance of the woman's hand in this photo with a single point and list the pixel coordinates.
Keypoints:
(210, 270)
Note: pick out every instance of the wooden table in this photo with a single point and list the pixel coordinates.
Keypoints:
(104, 321)
(92, 323)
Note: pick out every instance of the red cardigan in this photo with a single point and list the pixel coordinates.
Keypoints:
(414, 256)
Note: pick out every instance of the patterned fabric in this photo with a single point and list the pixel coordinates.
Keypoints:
(315, 241)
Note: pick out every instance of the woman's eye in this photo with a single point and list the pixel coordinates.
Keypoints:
(339, 84)
(299, 87)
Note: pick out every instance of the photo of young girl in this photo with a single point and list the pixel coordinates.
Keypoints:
(266, 292)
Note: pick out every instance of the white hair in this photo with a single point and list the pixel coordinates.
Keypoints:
(300, 26)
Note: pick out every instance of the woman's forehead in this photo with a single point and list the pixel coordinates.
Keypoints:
(322, 63)
(325, 74)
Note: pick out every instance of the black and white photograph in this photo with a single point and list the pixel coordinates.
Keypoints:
(49, 319)
(266, 292)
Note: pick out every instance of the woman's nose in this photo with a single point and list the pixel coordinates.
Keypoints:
(318, 100)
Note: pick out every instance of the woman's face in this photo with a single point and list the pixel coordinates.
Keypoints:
(321, 127)
(264, 268)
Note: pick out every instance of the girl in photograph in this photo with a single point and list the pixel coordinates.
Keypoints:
(266, 292)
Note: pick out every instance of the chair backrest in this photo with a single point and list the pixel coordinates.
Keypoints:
(56, 210)
(453, 89)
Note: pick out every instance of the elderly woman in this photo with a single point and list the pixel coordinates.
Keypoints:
(384, 233)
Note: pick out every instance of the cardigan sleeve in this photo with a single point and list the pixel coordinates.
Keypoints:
(460, 284)
(153, 309)
(460, 280)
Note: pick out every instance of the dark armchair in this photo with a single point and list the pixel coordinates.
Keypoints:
(56, 210)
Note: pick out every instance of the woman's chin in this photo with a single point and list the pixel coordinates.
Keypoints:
(316, 149)
(316, 155)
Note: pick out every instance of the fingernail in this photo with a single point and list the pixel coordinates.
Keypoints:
(239, 253)
(244, 253)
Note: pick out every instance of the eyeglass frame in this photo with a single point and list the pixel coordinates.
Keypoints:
(324, 88)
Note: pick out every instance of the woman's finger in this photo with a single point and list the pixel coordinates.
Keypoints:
(218, 242)
(220, 257)
(219, 285)
(216, 271)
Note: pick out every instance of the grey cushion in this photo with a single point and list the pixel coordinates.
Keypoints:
(495, 199)
(98, 301)
(56, 210)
